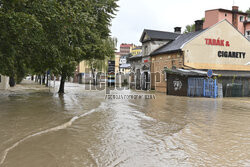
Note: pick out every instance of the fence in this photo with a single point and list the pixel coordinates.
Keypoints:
(202, 87)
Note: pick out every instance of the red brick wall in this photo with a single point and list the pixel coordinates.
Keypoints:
(158, 63)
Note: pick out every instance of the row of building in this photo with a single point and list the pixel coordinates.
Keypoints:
(176, 63)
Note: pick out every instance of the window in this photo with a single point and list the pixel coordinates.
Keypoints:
(145, 50)
(248, 35)
(158, 77)
(225, 14)
(242, 19)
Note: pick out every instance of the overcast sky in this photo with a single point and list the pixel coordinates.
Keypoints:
(136, 15)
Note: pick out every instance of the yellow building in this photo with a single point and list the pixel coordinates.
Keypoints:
(117, 62)
(136, 50)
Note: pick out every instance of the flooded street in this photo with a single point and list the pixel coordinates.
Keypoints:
(39, 128)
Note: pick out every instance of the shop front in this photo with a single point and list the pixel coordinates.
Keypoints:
(220, 48)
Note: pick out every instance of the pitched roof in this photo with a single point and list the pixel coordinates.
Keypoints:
(160, 35)
(177, 43)
(188, 72)
(124, 45)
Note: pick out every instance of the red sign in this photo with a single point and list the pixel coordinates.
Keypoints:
(145, 61)
(217, 42)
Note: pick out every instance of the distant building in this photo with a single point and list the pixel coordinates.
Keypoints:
(237, 18)
(4, 82)
(117, 62)
(136, 50)
(124, 63)
(126, 49)
(84, 71)
(151, 40)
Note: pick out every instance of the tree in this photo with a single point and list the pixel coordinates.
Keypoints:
(248, 12)
(108, 53)
(191, 28)
(20, 38)
(70, 31)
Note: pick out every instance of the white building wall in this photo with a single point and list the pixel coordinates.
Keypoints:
(4, 82)
(149, 47)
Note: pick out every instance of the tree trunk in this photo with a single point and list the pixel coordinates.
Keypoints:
(62, 83)
(93, 75)
(44, 79)
(12, 82)
(47, 82)
(40, 79)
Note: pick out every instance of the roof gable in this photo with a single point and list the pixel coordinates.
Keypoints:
(177, 43)
(148, 35)
(184, 39)
(215, 25)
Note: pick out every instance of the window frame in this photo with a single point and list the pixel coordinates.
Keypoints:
(242, 19)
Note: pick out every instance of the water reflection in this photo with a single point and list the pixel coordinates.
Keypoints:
(81, 128)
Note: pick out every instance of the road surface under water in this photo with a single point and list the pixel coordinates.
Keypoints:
(82, 128)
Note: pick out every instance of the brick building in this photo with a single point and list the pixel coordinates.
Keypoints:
(226, 52)
(237, 18)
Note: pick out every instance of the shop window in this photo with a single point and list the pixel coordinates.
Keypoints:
(242, 19)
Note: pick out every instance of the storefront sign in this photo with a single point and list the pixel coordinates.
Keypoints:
(217, 42)
(231, 54)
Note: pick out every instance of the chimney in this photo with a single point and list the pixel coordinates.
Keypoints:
(235, 8)
(177, 30)
(198, 25)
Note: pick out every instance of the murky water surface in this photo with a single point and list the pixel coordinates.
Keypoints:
(81, 128)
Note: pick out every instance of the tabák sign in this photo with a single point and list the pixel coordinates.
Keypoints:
(225, 54)
(217, 42)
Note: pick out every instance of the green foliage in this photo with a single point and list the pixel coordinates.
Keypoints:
(191, 28)
(248, 12)
(36, 35)
(20, 39)
(108, 53)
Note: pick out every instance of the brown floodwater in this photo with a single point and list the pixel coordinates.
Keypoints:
(39, 128)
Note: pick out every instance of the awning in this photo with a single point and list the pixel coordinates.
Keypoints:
(188, 72)
(125, 66)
